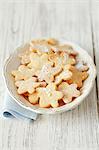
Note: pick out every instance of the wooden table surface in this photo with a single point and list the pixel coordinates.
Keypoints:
(76, 21)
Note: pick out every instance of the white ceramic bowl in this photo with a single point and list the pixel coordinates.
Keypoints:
(13, 62)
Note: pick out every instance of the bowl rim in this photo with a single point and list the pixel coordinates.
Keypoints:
(63, 108)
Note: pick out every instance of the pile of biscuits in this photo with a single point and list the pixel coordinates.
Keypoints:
(49, 74)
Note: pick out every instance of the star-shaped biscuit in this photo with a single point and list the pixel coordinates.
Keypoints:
(49, 96)
(77, 76)
(69, 91)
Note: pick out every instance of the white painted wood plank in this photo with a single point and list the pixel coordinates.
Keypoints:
(95, 29)
(71, 130)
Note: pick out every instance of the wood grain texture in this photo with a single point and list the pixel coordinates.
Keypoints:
(74, 21)
(95, 33)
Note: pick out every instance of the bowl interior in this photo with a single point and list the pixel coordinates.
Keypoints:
(13, 62)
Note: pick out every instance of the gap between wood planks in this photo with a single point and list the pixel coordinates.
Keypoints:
(94, 57)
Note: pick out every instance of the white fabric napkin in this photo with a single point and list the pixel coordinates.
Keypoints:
(11, 109)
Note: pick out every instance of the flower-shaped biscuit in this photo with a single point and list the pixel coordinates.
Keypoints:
(65, 48)
(37, 61)
(23, 73)
(77, 76)
(33, 98)
(69, 91)
(61, 59)
(48, 73)
(49, 96)
(28, 85)
(25, 57)
(64, 75)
